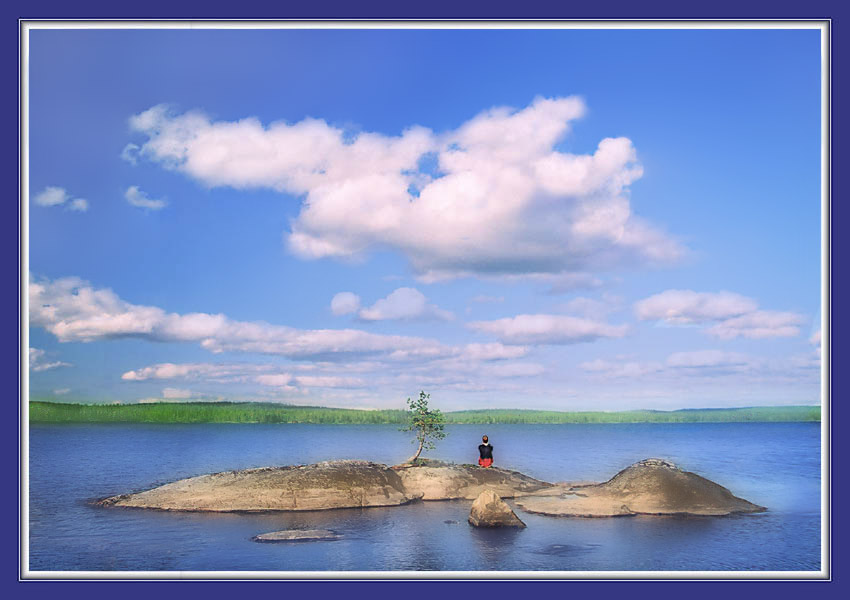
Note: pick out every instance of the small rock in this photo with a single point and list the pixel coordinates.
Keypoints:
(296, 535)
(489, 510)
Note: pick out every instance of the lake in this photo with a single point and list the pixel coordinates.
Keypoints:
(776, 465)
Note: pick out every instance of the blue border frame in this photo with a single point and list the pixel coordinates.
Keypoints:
(501, 9)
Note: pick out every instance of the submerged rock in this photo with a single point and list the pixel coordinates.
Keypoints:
(296, 535)
(649, 487)
(336, 484)
(489, 510)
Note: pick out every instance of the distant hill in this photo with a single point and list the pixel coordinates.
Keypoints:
(267, 412)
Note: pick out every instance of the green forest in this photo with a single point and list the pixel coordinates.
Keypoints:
(258, 412)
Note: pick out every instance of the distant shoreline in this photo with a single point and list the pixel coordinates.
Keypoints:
(269, 413)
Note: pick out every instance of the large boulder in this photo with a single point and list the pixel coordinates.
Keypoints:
(649, 487)
(489, 510)
(337, 484)
(435, 480)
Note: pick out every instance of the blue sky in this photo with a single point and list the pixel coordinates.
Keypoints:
(562, 219)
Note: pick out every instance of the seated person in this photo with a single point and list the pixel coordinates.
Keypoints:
(485, 451)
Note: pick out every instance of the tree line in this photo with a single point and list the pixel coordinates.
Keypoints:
(254, 412)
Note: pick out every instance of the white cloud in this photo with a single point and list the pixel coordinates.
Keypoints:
(130, 153)
(138, 198)
(52, 196)
(220, 372)
(276, 380)
(61, 391)
(37, 361)
(548, 329)
(79, 205)
(699, 363)
(707, 358)
(730, 315)
(757, 325)
(502, 200)
(707, 366)
(686, 306)
(404, 303)
(57, 196)
(74, 311)
(620, 368)
(345, 303)
(492, 351)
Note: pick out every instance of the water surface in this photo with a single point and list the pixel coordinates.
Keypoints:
(776, 465)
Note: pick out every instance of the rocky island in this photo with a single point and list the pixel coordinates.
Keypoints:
(652, 486)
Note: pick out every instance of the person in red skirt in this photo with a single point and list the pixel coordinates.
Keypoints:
(485, 450)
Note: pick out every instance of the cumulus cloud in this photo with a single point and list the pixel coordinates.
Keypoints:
(548, 329)
(209, 371)
(501, 200)
(79, 205)
(74, 311)
(730, 315)
(462, 371)
(345, 303)
(686, 306)
(38, 362)
(57, 196)
(52, 196)
(404, 303)
(757, 325)
(140, 199)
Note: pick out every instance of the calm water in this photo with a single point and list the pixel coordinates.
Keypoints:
(774, 465)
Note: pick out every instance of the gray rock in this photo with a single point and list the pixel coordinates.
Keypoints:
(649, 487)
(296, 535)
(435, 480)
(489, 510)
(336, 484)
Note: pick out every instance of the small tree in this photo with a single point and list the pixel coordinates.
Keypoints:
(427, 423)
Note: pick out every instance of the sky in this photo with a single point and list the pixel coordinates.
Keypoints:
(541, 219)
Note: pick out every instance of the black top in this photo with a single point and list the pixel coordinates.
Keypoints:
(485, 450)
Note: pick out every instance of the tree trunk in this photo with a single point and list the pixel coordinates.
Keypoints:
(418, 452)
